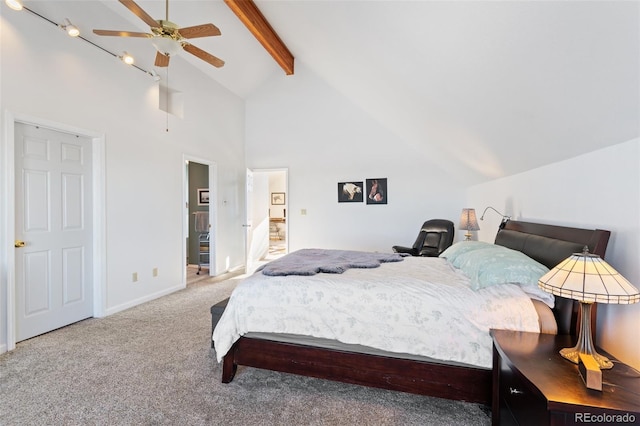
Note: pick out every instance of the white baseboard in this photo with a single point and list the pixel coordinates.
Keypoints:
(136, 302)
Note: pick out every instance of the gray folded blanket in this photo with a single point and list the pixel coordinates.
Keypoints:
(313, 261)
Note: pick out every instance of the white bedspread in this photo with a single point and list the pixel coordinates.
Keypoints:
(420, 306)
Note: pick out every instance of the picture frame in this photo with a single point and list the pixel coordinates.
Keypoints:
(278, 198)
(350, 192)
(377, 191)
(203, 196)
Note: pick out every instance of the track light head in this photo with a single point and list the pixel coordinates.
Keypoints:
(127, 58)
(155, 75)
(14, 4)
(71, 29)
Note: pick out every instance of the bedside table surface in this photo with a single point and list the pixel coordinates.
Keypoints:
(536, 357)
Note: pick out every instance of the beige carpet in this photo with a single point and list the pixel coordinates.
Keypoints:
(194, 276)
(153, 365)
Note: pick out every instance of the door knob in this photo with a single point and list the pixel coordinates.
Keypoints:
(20, 243)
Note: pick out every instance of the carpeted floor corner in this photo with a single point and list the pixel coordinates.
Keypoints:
(153, 365)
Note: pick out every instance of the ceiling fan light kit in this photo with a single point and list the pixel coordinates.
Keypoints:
(167, 46)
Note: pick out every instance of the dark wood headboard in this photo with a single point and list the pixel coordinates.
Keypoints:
(549, 245)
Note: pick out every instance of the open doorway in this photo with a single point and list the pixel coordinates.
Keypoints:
(267, 226)
(199, 221)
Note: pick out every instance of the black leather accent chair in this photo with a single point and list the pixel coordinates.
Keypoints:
(435, 236)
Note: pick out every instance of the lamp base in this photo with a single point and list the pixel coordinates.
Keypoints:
(585, 342)
(467, 236)
(573, 355)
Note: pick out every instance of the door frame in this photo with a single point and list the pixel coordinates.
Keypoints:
(213, 217)
(8, 220)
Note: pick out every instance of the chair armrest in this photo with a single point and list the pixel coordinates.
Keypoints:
(401, 249)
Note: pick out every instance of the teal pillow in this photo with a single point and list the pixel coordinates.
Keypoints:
(499, 265)
(453, 252)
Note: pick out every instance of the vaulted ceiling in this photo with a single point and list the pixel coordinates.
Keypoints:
(485, 82)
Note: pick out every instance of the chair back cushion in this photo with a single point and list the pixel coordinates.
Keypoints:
(435, 237)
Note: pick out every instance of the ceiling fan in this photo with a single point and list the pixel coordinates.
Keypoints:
(167, 37)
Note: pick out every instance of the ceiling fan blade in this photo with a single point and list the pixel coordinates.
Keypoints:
(121, 33)
(207, 57)
(140, 13)
(161, 60)
(204, 30)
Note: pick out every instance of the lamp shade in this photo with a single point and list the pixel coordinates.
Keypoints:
(588, 278)
(468, 220)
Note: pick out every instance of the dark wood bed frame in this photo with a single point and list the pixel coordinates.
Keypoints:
(548, 244)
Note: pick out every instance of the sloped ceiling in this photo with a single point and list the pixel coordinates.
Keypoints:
(489, 88)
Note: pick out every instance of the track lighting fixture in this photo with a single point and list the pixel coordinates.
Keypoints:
(14, 4)
(71, 29)
(127, 58)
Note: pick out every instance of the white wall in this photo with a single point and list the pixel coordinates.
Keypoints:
(302, 124)
(595, 190)
(47, 75)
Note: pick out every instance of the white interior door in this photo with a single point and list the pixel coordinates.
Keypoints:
(248, 226)
(53, 260)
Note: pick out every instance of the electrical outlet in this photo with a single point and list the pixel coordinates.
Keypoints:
(134, 277)
(155, 272)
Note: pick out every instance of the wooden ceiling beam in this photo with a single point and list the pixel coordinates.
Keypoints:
(254, 20)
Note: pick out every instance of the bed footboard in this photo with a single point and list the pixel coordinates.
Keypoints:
(464, 383)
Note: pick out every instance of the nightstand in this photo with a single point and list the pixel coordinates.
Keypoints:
(534, 385)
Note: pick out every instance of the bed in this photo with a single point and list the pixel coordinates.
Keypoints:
(425, 375)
